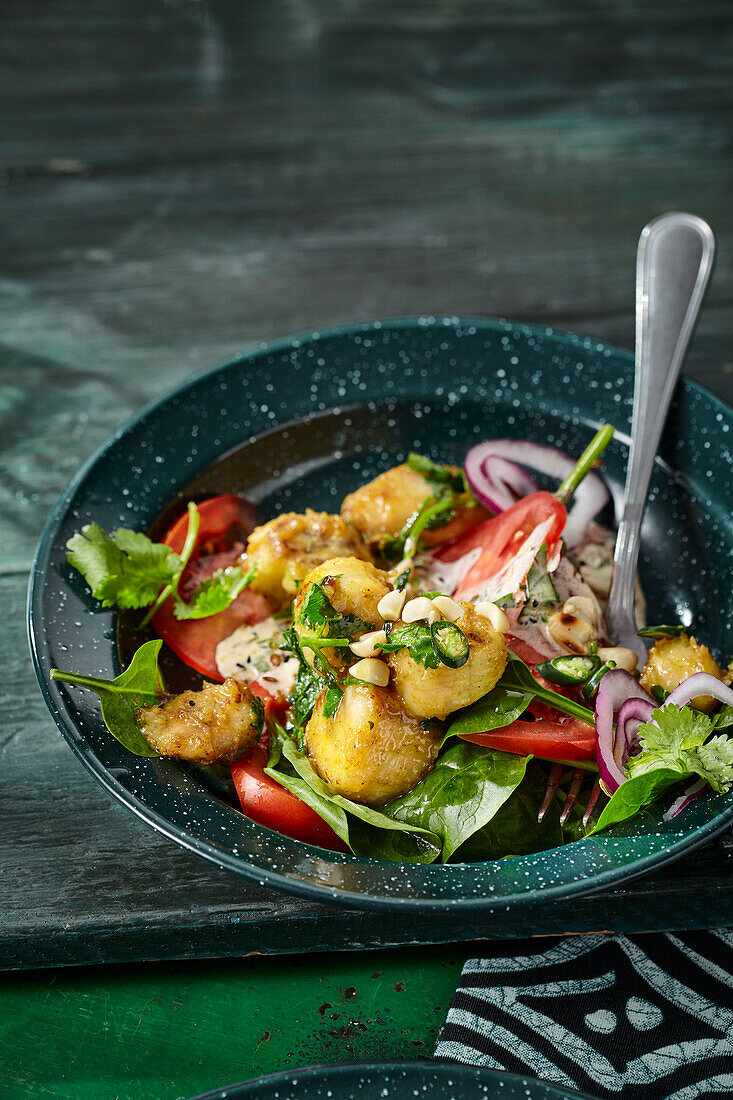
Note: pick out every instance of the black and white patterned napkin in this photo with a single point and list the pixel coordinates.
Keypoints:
(641, 1017)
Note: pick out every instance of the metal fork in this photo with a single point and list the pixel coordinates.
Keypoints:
(674, 262)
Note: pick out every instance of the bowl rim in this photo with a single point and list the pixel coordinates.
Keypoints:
(284, 882)
(442, 1068)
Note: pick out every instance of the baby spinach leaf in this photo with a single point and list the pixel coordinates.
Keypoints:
(365, 836)
(499, 708)
(140, 685)
(633, 795)
(463, 792)
(514, 830)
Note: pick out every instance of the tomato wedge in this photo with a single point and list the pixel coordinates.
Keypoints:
(225, 523)
(503, 548)
(266, 802)
(552, 736)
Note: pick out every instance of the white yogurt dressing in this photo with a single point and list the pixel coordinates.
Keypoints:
(252, 653)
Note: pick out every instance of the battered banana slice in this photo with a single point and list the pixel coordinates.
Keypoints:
(216, 724)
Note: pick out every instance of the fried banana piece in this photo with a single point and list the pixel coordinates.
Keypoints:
(437, 692)
(381, 509)
(216, 724)
(370, 751)
(286, 548)
(353, 587)
(672, 660)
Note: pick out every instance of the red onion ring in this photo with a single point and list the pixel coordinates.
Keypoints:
(616, 689)
(693, 791)
(702, 683)
(494, 473)
(630, 716)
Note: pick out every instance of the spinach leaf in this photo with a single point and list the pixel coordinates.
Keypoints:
(514, 830)
(367, 832)
(499, 708)
(140, 685)
(463, 792)
(633, 795)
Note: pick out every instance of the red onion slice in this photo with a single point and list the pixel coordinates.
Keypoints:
(693, 791)
(702, 683)
(630, 716)
(616, 688)
(494, 472)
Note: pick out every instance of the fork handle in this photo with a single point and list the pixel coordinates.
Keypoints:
(673, 266)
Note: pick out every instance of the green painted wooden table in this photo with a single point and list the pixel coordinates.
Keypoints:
(181, 181)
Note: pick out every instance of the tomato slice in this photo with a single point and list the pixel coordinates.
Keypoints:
(266, 802)
(558, 737)
(225, 523)
(551, 736)
(503, 548)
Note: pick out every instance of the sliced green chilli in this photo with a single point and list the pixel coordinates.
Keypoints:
(451, 644)
(591, 686)
(569, 671)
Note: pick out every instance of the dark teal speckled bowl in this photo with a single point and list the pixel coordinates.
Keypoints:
(317, 415)
(392, 1081)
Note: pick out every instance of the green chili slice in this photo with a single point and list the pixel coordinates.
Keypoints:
(591, 687)
(569, 671)
(451, 644)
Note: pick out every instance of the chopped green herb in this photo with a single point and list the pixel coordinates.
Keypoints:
(402, 580)
(417, 638)
(440, 477)
(679, 738)
(663, 631)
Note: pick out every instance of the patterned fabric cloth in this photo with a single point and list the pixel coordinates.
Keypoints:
(643, 1017)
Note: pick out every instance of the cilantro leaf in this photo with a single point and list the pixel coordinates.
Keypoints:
(723, 718)
(124, 569)
(675, 744)
(679, 738)
(215, 594)
(418, 639)
(322, 617)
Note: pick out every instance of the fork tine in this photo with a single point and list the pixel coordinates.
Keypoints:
(592, 801)
(578, 777)
(552, 784)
